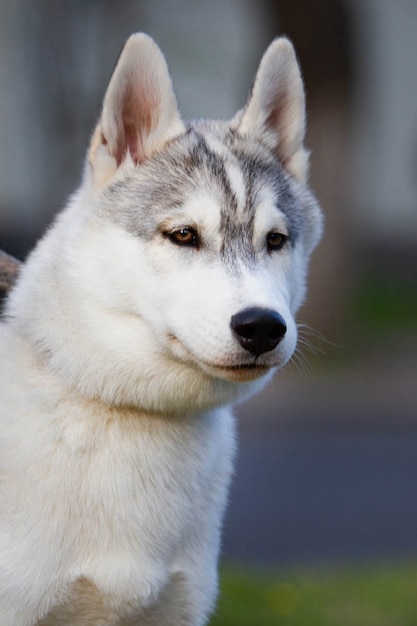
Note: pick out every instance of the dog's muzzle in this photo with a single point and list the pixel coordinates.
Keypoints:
(258, 330)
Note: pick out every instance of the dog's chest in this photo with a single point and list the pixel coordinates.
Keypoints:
(140, 495)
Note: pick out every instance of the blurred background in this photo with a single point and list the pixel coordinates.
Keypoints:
(327, 465)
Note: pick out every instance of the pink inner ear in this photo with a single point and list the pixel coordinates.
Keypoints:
(133, 142)
(138, 117)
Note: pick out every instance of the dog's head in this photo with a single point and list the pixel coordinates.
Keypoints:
(194, 247)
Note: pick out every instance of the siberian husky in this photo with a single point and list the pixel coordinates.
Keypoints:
(163, 293)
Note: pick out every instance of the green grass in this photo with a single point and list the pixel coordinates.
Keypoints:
(371, 596)
(382, 304)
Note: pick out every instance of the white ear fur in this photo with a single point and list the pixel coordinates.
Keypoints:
(140, 112)
(275, 112)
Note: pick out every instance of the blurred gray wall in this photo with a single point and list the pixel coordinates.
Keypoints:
(56, 58)
(383, 178)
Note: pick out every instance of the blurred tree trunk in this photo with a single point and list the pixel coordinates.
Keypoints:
(9, 270)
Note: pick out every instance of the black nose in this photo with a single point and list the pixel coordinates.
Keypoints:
(258, 330)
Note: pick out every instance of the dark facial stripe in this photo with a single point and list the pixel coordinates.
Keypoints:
(206, 159)
(236, 234)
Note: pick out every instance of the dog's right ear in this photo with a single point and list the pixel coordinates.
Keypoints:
(140, 112)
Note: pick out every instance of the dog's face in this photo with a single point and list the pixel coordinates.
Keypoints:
(221, 239)
(193, 251)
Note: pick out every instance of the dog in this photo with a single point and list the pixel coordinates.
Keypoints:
(165, 292)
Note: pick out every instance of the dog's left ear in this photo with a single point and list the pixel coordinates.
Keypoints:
(140, 112)
(275, 113)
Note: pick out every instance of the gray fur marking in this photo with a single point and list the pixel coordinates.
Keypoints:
(146, 198)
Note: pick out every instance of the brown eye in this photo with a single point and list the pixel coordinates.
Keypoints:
(275, 241)
(184, 237)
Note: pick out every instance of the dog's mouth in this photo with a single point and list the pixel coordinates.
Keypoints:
(249, 367)
(242, 372)
(236, 372)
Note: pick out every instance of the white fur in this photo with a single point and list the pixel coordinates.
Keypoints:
(116, 354)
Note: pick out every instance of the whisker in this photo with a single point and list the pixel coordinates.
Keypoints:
(307, 331)
(308, 345)
(300, 362)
